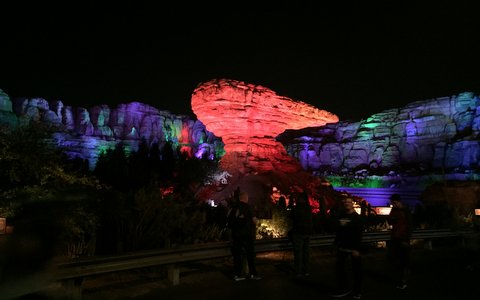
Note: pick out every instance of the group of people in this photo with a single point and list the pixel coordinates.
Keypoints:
(348, 241)
(348, 244)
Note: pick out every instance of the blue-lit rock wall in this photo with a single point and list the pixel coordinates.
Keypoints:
(85, 133)
(438, 135)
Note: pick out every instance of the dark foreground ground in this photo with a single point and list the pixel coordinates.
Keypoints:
(446, 272)
(442, 273)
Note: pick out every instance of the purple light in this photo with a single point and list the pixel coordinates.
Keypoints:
(381, 196)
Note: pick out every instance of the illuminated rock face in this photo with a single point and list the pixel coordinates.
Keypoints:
(437, 135)
(7, 117)
(85, 133)
(248, 118)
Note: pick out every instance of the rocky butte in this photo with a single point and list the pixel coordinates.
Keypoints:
(429, 148)
(271, 140)
(248, 118)
(85, 133)
(432, 136)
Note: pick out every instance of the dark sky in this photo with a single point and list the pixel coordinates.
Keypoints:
(352, 59)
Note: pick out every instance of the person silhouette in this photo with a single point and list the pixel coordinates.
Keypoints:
(348, 239)
(242, 223)
(302, 229)
(400, 219)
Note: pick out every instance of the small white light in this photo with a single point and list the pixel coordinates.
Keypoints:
(211, 202)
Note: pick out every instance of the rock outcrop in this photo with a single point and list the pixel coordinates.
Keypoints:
(248, 117)
(264, 132)
(85, 133)
(7, 117)
(438, 135)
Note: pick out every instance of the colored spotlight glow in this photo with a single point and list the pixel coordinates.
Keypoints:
(382, 210)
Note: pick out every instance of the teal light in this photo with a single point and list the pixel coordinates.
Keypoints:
(346, 181)
(370, 125)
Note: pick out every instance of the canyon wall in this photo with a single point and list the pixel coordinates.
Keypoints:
(85, 133)
(430, 136)
(438, 135)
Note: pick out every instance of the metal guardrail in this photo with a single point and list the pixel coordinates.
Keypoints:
(72, 273)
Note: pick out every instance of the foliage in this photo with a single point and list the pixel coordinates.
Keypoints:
(150, 166)
(154, 221)
(356, 181)
(34, 173)
(111, 168)
(33, 170)
(145, 216)
(79, 231)
(123, 208)
(147, 219)
(278, 226)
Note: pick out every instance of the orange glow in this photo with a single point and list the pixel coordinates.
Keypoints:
(383, 210)
(248, 118)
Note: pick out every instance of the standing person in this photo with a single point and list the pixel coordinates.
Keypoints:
(400, 219)
(348, 238)
(242, 224)
(302, 229)
(282, 202)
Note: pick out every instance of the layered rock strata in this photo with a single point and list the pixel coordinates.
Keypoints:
(437, 135)
(248, 117)
(85, 133)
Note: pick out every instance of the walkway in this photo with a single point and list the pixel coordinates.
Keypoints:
(441, 273)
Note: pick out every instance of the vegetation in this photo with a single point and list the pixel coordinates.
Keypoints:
(151, 201)
(357, 181)
(40, 197)
(147, 199)
(141, 201)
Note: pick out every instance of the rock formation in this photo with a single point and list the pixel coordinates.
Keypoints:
(7, 117)
(272, 140)
(248, 117)
(85, 133)
(439, 135)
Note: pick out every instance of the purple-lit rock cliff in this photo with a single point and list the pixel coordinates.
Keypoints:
(432, 136)
(436, 136)
(85, 133)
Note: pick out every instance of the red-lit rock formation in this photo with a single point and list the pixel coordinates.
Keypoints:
(248, 117)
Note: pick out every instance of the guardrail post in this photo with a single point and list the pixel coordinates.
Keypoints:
(174, 274)
(73, 288)
(427, 244)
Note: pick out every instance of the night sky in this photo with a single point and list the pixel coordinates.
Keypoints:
(351, 59)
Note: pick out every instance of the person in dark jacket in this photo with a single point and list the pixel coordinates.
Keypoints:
(348, 239)
(242, 223)
(302, 229)
(401, 222)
